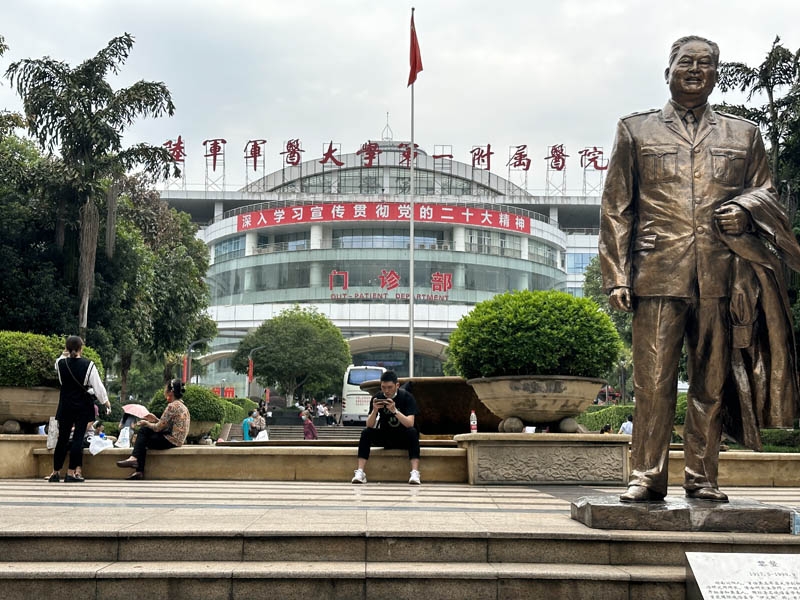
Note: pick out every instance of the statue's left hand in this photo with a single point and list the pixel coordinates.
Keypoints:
(732, 219)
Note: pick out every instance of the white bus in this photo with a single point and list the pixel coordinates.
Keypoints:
(355, 401)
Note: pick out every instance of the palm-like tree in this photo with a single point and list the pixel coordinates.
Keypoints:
(777, 73)
(75, 113)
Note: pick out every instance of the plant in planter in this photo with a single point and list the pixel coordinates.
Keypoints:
(28, 380)
(205, 409)
(535, 356)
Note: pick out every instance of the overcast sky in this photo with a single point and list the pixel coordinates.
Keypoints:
(499, 72)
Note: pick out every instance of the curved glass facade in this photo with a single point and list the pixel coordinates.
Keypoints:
(339, 239)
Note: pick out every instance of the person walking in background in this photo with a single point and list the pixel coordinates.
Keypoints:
(390, 424)
(247, 424)
(80, 386)
(309, 430)
(168, 432)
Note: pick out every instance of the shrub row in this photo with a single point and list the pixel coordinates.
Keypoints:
(613, 415)
(28, 359)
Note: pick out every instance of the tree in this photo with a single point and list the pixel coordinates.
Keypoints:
(777, 78)
(33, 295)
(76, 112)
(152, 297)
(8, 120)
(593, 288)
(301, 347)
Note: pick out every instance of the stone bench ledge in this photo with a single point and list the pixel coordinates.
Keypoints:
(270, 463)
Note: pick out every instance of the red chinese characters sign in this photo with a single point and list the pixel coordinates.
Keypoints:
(381, 211)
(390, 281)
(176, 149)
(214, 149)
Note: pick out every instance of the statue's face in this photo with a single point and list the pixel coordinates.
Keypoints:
(692, 75)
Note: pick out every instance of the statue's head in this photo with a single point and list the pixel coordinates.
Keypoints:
(692, 71)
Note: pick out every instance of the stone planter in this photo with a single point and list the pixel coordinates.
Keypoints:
(536, 399)
(28, 405)
(198, 429)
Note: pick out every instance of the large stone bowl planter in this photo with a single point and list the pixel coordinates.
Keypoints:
(30, 406)
(536, 399)
(198, 429)
(444, 404)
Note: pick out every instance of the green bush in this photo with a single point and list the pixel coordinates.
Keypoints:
(786, 438)
(233, 413)
(28, 359)
(613, 415)
(244, 403)
(680, 409)
(534, 333)
(203, 404)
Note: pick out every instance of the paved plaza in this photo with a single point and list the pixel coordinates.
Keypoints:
(280, 506)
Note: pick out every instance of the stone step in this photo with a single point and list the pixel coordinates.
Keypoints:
(622, 548)
(340, 580)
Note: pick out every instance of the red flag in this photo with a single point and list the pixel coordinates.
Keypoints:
(185, 366)
(249, 370)
(416, 57)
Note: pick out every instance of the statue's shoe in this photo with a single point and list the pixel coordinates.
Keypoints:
(640, 493)
(707, 493)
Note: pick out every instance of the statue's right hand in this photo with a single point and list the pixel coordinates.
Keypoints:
(620, 299)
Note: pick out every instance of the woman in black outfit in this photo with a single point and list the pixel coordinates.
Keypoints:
(75, 407)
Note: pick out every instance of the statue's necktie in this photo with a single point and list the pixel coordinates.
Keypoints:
(691, 123)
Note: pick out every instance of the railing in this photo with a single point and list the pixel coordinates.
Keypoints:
(447, 246)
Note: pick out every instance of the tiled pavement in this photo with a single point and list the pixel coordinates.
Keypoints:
(295, 506)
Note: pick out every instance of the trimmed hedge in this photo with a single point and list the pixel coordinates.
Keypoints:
(613, 415)
(786, 438)
(233, 412)
(203, 404)
(28, 359)
(534, 333)
(245, 403)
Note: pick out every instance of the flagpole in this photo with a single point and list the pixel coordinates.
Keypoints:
(415, 63)
(411, 252)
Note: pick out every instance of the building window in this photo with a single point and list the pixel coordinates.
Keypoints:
(229, 249)
(578, 261)
(541, 253)
(299, 240)
(385, 238)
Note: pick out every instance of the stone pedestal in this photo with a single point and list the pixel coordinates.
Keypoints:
(677, 513)
(546, 458)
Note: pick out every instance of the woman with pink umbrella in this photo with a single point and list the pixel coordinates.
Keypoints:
(168, 432)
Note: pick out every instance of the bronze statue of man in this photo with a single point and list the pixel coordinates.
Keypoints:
(690, 234)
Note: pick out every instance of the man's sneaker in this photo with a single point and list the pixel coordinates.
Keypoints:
(360, 477)
(414, 479)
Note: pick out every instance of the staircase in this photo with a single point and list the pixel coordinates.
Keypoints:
(324, 432)
(232, 432)
(330, 541)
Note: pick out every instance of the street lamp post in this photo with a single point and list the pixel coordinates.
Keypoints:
(187, 374)
(250, 367)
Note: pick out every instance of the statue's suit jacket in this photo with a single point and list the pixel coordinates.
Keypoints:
(658, 234)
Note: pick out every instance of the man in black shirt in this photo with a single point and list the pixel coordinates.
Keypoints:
(390, 424)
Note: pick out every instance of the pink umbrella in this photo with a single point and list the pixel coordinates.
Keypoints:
(137, 410)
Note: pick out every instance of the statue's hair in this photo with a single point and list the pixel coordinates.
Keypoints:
(678, 44)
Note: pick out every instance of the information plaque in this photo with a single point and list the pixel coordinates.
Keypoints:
(742, 576)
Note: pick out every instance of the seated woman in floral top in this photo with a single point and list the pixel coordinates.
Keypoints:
(168, 432)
